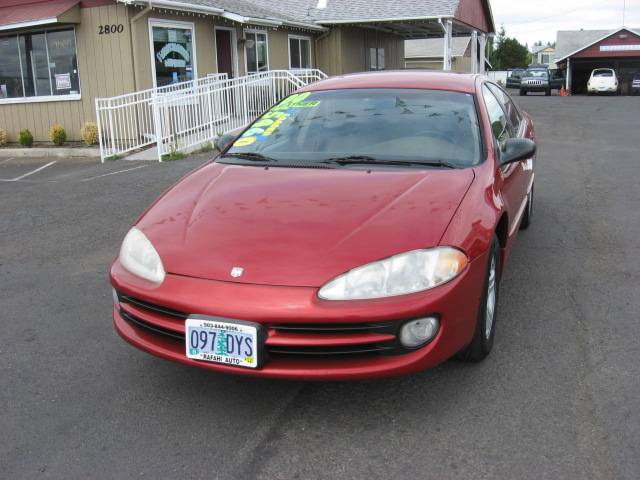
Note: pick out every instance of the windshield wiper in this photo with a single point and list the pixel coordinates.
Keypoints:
(251, 156)
(368, 160)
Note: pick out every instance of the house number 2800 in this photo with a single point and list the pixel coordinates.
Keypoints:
(109, 29)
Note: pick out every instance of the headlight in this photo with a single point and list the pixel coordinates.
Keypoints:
(139, 257)
(399, 275)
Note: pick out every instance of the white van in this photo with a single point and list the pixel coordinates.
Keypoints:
(603, 80)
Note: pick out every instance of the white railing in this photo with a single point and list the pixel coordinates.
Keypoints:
(127, 122)
(309, 75)
(179, 117)
(186, 120)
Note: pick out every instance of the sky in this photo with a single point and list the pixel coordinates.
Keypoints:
(533, 20)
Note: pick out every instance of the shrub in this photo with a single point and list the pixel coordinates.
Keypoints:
(57, 135)
(89, 132)
(25, 138)
(3, 137)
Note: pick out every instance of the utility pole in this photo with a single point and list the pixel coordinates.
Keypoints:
(624, 12)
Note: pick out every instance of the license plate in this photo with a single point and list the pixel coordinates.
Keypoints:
(231, 342)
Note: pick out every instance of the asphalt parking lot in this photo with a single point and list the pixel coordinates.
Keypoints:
(558, 398)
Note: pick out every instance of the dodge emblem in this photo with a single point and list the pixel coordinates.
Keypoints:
(237, 272)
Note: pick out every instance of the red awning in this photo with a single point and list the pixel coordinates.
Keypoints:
(38, 13)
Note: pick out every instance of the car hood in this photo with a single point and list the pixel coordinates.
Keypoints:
(298, 226)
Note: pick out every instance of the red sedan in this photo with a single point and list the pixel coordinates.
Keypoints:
(358, 229)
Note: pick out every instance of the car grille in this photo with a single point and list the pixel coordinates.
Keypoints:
(535, 83)
(283, 340)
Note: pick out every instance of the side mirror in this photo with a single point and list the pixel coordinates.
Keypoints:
(516, 150)
(224, 141)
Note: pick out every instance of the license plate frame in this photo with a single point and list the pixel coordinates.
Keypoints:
(229, 349)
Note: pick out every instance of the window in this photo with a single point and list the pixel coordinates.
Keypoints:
(386, 124)
(299, 52)
(376, 58)
(173, 52)
(497, 117)
(256, 51)
(513, 115)
(39, 64)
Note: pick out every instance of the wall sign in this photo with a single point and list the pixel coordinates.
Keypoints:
(110, 29)
(63, 81)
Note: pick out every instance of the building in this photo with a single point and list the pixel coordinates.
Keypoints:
(580, 52)
(544, 55)
(429, 53)
(58, 56)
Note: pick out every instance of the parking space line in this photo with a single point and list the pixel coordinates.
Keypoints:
(113, 173)
(6, 160)
(32, 171)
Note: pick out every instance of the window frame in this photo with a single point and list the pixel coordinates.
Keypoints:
(485, 88)
(160, 22)
(266, 42)
(519, 131)
(45, 98)
(377, 68)
(300, 38)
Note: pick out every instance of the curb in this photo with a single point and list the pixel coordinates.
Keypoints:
(49, 152)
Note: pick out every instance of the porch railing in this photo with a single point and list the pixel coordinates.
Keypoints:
(179, 117)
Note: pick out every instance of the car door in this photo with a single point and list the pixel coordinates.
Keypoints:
(515, 179)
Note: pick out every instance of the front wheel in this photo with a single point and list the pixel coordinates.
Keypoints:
(547, 93)
(482, 341)
(523, 93)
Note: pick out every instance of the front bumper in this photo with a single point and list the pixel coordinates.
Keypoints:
(456, 304)
(535, 88)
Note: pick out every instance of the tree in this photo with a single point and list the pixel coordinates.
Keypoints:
(509, 53)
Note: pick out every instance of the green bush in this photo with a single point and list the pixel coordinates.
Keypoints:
(57, 135)
(89, 132)
(3, 137)
(25, 138)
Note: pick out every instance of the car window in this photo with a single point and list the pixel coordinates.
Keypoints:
(513, 115)
(537, 74)
(602, 73)
(415, 125)
(497, 117)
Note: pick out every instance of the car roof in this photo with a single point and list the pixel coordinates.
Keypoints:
(418, 79)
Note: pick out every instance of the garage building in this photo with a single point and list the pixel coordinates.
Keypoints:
(580, 52)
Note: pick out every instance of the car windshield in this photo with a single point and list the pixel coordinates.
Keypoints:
(536, 73)
(603, 73)
(390, 125)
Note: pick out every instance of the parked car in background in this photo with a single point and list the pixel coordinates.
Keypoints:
(535, 79)
(358, 229)
(603, 80)
(513, 77)
(635, 84)
(557, 79)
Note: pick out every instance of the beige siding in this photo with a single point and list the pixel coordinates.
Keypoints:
(104, 63)
(458, 64)
(346, 50)
(327, 52)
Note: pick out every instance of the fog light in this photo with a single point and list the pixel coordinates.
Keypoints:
(418, 332)
(116, 299)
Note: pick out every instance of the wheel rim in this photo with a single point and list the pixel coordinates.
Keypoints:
(491, 299)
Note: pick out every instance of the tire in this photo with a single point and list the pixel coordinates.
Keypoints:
(482, 341)
(523, 93)
(547, 93)
(528, 212)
